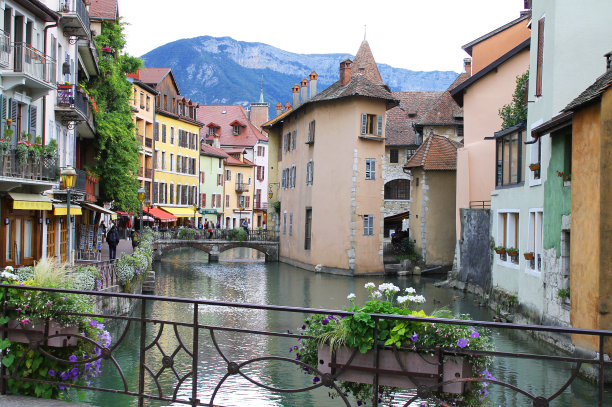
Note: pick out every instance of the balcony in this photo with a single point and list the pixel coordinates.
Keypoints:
(28, 67)
(73, 106)
(260, 206)
(87, 185)
(89, 56)
(39, 175)
(74, 18)
(5, 49)
(242, 187)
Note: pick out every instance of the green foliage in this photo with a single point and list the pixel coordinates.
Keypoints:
(118, 149)
(277, 206)
(186, 234)
(130, 268)
(516, 111)
(564, 293)
(50, 149)
(237, 234)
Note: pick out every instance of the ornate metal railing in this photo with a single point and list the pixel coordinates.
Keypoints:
(174, 346)
(5, 49)
(39, 169)
(216, 234)
(32, 62)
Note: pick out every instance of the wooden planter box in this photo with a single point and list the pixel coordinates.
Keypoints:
(26, 333)
(419, 369)
(528, 255)
(500, 251)
(534, 167)
(512, 253)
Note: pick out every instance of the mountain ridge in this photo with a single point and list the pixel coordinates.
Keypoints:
(221, 70)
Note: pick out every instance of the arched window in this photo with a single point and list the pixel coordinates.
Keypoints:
(397, 189)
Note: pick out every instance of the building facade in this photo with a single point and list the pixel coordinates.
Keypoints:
(212, 184)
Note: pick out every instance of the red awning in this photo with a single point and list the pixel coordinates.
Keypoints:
(160, 214)
(124, 214)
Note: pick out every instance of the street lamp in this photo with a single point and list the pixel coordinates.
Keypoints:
(68, 179)
(141, 197)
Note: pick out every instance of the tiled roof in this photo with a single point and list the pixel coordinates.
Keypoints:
(222, 116)
(592, 92)
(234, 161)
(104, 9)
(154, 76)
(365, 64)
(468, 47)
(400, 119)
(436, 153)
(211, 151)
(445, 111)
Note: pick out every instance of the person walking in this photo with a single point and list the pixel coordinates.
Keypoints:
(112, 238)
(245, 225)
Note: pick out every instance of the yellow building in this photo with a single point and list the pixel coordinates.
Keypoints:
(175, 172)
(238, 189)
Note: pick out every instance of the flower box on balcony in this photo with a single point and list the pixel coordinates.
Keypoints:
(512, 252)
(500, 250)
(528, 255)
(405, 369)
(57, 336)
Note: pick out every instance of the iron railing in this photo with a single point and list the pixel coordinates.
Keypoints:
(79, 8)
(242, 187)
(32, 62)
(5, 49)
(173, 346)
(480, 204)
(256, 235)
(40, 169)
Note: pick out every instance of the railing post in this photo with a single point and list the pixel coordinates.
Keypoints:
(194, 365)
(4, 335)
(141, 367)
(601, 369)
(375, 384)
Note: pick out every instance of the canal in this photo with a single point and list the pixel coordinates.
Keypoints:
(186, 273)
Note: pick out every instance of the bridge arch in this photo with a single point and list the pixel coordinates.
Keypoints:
(216, 247)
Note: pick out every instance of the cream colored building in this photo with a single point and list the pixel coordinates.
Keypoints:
(329, 150)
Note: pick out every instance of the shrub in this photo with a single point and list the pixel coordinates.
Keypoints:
(237, 234)
(186, 234)
(84, 278)
(124, 269)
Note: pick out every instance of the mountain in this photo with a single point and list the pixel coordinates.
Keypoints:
(222, 70)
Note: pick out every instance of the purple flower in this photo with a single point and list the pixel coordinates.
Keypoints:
(51, 372)
(359, 402)
(414, 337)
(72, 358)
(462, 343)
(303, 326)
(316, 380)
(474, 335)
(74, 372)
(290, 348)
(325, 321)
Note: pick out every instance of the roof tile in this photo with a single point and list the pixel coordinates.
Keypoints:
(222, 116)
(437, 153)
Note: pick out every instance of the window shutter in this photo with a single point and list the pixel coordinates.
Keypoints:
(204, 200)
(293, 139)
(14, 107)
(3, 111)
(314, 126)
(379, 125)
(540, 57)
(364, 123)
(263, 173)
(373, 168)
(247, 202)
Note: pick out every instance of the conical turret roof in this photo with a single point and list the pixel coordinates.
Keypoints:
(365, 64)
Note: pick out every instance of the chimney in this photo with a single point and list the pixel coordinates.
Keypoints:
(296, 95)
(467, 66)
(313, 84)
(216, 142)
(304, 90)
(287, 106)
(345, 71)
(608, 57)
(279, 108)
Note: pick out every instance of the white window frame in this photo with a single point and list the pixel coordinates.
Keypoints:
(368, 225)
(535, 239)
(511, 234)
(370, 168)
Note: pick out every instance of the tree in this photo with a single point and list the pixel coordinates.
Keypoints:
(516, 112)
(117, 147)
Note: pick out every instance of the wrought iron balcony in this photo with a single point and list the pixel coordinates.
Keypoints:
(74, 18)
(28, 169)
(5, 49)
(27, 67)
(73, 106)
(242, 187)
(260, 206)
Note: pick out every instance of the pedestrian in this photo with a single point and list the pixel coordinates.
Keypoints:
(209, 229)
(218, 224)
(103, 227)
(245, 225)
(112, 238)
(135, 240)
(200, 226)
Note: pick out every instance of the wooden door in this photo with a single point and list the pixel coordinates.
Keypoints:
(51, 236)
(62, 242)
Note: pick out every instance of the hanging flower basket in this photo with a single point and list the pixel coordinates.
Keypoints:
(534, 167)
(528, 255)
(512, 252)
(25, 331)
(500, 250)
(397, 368)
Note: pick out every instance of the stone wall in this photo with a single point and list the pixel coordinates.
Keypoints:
(475, 247)
(555, 273)
(393, 171)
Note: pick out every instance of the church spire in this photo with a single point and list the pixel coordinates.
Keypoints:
(261, 98)
(365, 64)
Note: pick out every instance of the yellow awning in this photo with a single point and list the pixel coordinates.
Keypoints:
(179, 212)
(97, 208)
(31, 201)
(62, 210)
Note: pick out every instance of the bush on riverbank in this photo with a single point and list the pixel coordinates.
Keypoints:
(132, 267)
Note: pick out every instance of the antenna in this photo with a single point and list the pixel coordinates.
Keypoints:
(365, 31)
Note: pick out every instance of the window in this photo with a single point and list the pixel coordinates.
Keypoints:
(509, 156)
(309, 172)
(163, 132)
(293, 139)
(285, 223)
(260, 172)
(370, 168)
(410, 152)
(292, 177)
(284, 178)
(171, 194)
(172, 135)
(371, 124)
(540, 57)
(228, 175)
(163, 160)
(171, 162)
(261, 151)
(156, 131)
(291, 224)
(219, 179)
(535, 239)
(308, 229)
(508, 232)
(211, 131)
(398, 189)
(311, 132)
(368, 225)
(236, 128)
(536, 159)
(148, 103)
(227, 201)
(203, 201)
(393, 156)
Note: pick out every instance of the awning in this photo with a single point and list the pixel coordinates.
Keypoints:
(205, 211)
(160, 214)
(124, 214)
(179, 212)
(60, 209)
(147, 219)
(98, 208)
(31, 201)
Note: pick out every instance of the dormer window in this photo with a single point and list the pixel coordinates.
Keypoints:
(211, 131)
(236, 128)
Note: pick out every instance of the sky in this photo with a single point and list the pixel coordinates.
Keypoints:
(420, 35)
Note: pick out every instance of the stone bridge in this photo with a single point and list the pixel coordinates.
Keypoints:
(216, 246)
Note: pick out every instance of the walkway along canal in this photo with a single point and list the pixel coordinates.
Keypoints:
(269, 327)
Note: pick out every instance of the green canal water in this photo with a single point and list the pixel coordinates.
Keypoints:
(186, 273)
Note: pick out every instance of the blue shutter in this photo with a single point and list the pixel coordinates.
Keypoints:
(364, 123)
(33, 114)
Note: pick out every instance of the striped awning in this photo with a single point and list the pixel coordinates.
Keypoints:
(31, 201)
(179, 212)
(160, 214)
(60, 209)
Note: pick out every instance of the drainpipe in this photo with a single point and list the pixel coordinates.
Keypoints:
(44, 107)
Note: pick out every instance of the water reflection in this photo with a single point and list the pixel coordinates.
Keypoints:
(186, 273)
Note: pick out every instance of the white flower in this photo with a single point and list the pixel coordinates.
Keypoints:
(418, 299)
(376, 294)
(370, 285)
(10, 269)
(388, 288)
(351, 296)
(410, 290)
(401, 300)
(6, 274)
